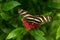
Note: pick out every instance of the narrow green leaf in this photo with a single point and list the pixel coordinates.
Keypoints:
(16, 32)
(58, 33)
(10, 5)
(37, 34)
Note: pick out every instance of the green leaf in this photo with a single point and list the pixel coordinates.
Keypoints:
(10, 5)
(37, 34)
(58, 14)
(5, 16)
(20, 36)
(58, 33)
(54, 25)
(16, 32)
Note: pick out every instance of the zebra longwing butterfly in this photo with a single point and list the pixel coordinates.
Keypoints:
(34, 19)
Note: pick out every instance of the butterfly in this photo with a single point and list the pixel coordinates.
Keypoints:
(34, 20)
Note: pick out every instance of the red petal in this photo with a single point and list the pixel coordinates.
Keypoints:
(26, 24)
(32, 25)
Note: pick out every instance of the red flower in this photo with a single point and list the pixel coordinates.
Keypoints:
(29, 26)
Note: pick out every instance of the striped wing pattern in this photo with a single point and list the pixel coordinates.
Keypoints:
(34, 19)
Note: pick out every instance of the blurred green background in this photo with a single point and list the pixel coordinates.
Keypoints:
(12, 28)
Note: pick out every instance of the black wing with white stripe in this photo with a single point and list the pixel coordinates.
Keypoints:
(34, 19)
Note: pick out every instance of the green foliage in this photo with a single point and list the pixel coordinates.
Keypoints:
(10, 5)
(58, 33)
(37, 34)
(16, 32)
(11, 25)
(54, 4)
(58, 14)
(5, 16)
